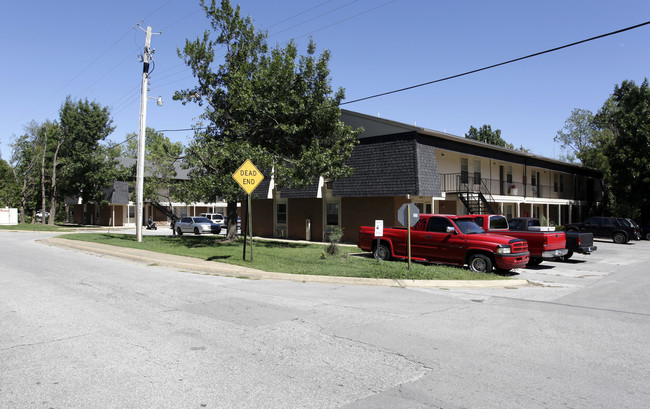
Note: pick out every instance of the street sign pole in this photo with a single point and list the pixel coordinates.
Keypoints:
(379, 232)
(250, 224)
(408, 236)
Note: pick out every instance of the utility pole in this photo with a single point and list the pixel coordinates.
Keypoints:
(139, 221)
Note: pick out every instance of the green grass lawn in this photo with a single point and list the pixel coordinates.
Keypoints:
(34, 227)
(283, 257)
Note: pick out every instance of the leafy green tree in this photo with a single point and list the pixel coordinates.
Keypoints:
(271, 106)
(487, 135)
(86, 165)
(583, 139)
(9, 189)
(24, 163)
(161, 156)
(626, 115)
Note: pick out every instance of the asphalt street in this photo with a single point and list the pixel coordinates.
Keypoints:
(82, 330)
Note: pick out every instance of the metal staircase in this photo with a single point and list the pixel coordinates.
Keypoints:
(477, 202)
(165, 210)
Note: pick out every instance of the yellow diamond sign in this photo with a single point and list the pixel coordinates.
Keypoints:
(248, 176)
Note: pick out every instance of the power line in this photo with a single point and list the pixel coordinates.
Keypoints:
(470, 72)
(347, 18)
(497, 65)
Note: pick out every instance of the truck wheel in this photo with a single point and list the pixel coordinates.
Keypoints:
(179, 231)
(382, 252)
(480, 263)
(619, 238)
(647, 236)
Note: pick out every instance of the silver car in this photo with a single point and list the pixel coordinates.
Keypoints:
(197, 225)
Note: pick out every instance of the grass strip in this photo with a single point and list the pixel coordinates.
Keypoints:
(34, 227)
(285, 257)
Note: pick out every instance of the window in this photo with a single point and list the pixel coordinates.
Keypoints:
(533, 179)
(464, 170)
(281, 215)
(517, 224)
(498, 222)
(438, 225)
(555, 184)
(477, 172)
(509, 174)
(608, 222)
(561, 183)
(332, 216)
(131, 212)
(509, 212)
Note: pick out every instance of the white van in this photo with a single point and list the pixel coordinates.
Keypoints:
(214, 217)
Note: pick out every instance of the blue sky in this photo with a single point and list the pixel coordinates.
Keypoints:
(89, 49)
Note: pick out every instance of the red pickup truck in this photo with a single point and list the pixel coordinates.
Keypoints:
(447, 239)
(541, 244)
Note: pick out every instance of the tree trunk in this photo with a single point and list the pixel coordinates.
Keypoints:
(232, 221)
(43, 180)
(53, 187)
(23, 200)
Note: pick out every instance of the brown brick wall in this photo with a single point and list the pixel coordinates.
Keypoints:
(447, 207)
(299, 211)
(262, 217)
(105, 214)
(357, 212)
(77, 213)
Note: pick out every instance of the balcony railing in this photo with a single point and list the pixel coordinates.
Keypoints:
(464, 182)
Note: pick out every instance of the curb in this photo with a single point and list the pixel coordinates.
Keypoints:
(199, 266)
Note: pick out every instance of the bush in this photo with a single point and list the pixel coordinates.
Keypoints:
(335, 236)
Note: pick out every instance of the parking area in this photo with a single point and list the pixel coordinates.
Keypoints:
(552, 280)
(608, 258)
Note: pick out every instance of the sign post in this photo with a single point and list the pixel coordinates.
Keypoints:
(248, 177)
(379, 231)
(408, 214)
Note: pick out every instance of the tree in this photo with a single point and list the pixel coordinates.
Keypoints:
(626, 115)
(584, 140)
(161, 154)
(268, 105)
(24, 163)
(86, 165)
(485, 134)
(47, 136)
(9, 189)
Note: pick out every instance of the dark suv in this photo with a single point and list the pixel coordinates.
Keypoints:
(618, 229)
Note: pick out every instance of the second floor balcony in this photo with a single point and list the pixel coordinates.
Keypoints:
(465, 182)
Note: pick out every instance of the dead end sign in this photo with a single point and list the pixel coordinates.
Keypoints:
(248, 176)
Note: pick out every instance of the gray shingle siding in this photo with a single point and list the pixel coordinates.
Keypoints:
(381, 169)
(428, 175)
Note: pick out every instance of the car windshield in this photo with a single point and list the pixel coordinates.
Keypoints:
(201, 220)
(467, 226)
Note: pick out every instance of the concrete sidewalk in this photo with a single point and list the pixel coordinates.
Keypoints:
(195, 265)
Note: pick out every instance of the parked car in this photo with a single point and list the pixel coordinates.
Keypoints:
(197, 225)
(607, 227)
(39, 214)
(215, 217)
(645, 232)
(632, 223)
